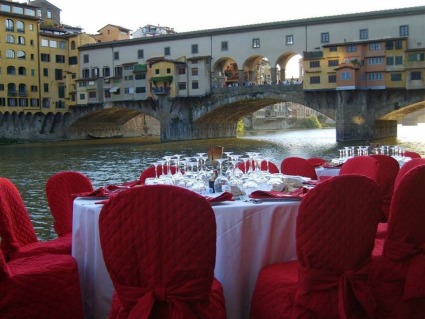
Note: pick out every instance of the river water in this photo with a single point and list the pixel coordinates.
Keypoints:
(116, 161)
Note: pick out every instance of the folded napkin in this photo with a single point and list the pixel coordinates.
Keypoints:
(328, 165)
(295, 194)
(100, 192)
(226, 196)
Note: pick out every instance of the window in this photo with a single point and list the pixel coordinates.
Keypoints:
(95, 72)
(374, 76)
(106, 71)
(398, 60)
(21, 55)
(140, 89)
(289, 39)
(61, 91)
(60, 59)
(45, 72)
(375, 46)
(73, 60)
(168, 70)
(167, 51)
(157, 71)
(73, 45)
(194, 61)
(416, 57)
(374, 61)
(224, 46)
(21, 40)
(92, 94)
(118, 71)
(195, 85)
(34, 102)
(86, 73)
(395, 77)
(58, 74)
(11, 70)
(333, 49)
(182, 86)
(345, 76)
(195, 49)
(182, 70)
(416, 75)
(140, 76)
(404, 30)
(53, 44)
(116, 55)
(363, 34)
(314, 64)
(10, 38)
(49, 14)
(333, 62)
(34, 88)
(140, 54)
(85, 58)
(22, 71)
(324, 37)
(314, 79)
(332, 78)
(45, 57)
(62, 44)
(46, 87)
(398, 44)
(194, 71)
(256, 43)
(9, 25)
(44, 42)
(10, 54)
(351, 48)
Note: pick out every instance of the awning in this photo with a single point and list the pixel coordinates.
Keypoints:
(167, 78)
(114, 89)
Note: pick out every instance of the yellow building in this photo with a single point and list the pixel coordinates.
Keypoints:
(112, 32)
(19, 82)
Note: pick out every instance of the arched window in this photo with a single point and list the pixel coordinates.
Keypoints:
(10, 54)
(73, 45)
(21, 40)
(11, 70)
(46, 103)
(22, 71)
(20, 26)
(9, 25)
(21, 54)
(10, 38)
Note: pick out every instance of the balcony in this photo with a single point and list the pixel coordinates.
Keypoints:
(161, 91)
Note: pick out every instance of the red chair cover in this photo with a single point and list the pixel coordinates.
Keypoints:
(399, 276)
(158, 244)
(316, 161)
(150, 172)
(335, 233)
(270, 166)
(18, 238)
(44, 286)
(59, 188)
(298, 166)
(407, 167)
(412, 154)
(387, 173)
(362, 165)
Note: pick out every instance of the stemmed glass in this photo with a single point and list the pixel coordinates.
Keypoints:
(221, 183)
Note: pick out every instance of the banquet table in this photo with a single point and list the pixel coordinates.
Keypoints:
(249, 236)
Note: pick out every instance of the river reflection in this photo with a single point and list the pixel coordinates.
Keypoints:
(116, 161)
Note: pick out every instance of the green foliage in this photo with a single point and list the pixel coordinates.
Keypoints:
(240, 126)
(312, 122)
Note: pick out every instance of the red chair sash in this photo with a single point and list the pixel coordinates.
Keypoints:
(352, 285)
(140, 300)
(414, 256)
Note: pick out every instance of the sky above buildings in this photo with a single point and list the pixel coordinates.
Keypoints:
(192, 15)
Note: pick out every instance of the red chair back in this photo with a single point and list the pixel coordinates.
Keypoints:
(297, 166)
(150, 172)
(407, 167)
(335, 234)
(16, 229)
(387, 173)
(316, 161)
(361, 165)
(59, 188)
(265, 166)
(159, 244)
(412, 154)
(399, 279)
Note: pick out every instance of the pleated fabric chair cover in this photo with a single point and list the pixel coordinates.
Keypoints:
(316, 161)
(362, 165)
(44, 286)
(59, 188)
(150, 172)
(407, 167)
(18, 238)
(387, 173)
(399, 274)
(412, 154)
(159, 245)
(297, 166)
(264, 166)
(335, 233)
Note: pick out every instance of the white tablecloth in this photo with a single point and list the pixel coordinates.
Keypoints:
(249, 236)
